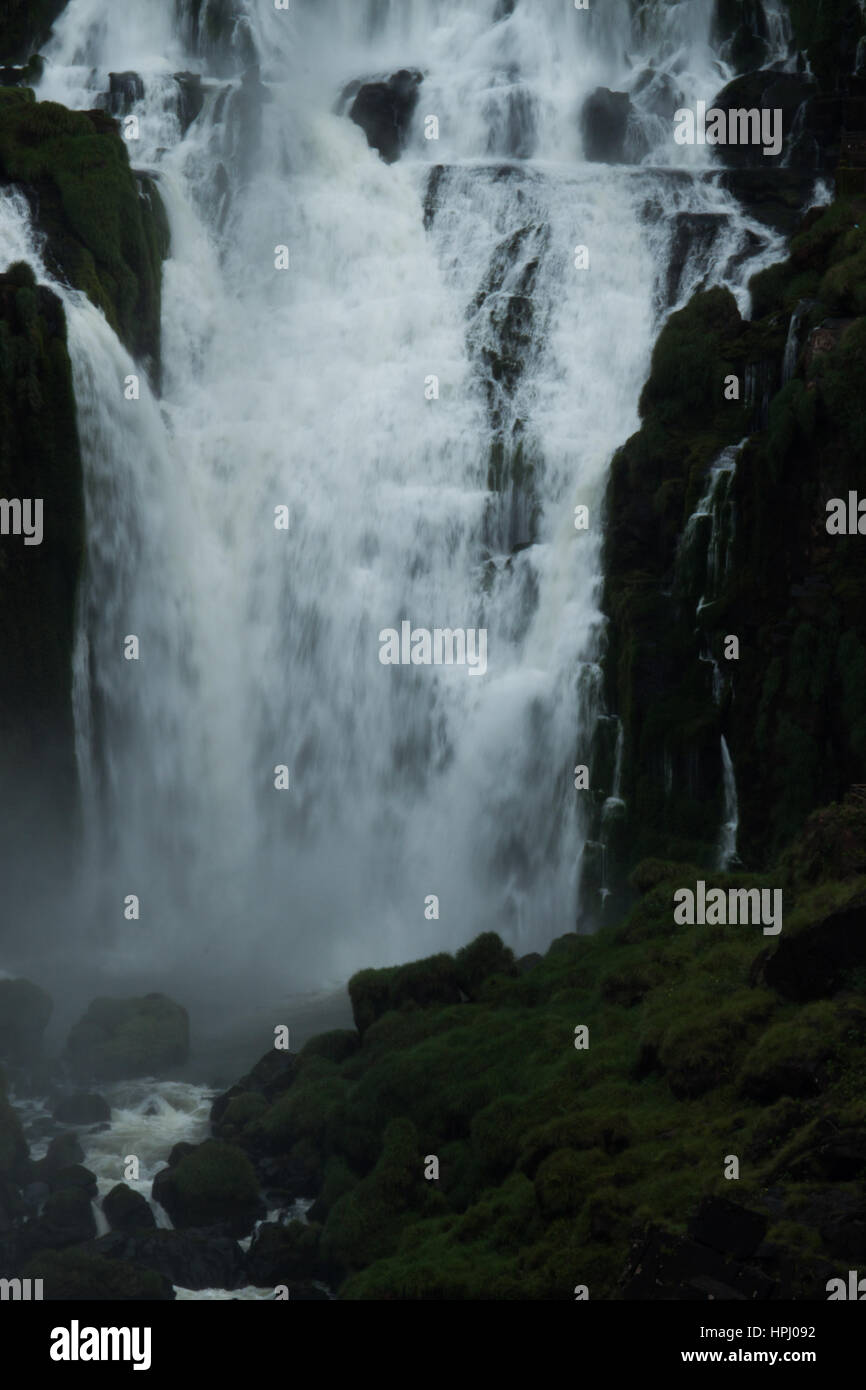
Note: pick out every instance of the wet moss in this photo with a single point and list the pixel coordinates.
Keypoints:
(104, 226)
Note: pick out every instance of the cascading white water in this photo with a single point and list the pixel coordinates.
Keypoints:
(731, 822)
(306, 388)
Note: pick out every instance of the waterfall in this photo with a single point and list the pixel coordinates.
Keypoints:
(794, 339)
(730, 824)
(306, 389)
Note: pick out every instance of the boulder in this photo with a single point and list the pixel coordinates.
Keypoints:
(284, 1254)
(124, 90)
(604, 126)
(727, 1227)
(485, 956)
(384, 110)
(82, 1108)
(772, 91)
(120, 1038)
(63, 1152)
(24, 1011)
(75, 1176)
(423, 983)
(78, 1275)
(126, 1210)
(190, 98)
(67, 1219)
(694, 236)
(270, 1077)
(214, 1186)
(816, 961)
(664, 1266)
(189, 1259)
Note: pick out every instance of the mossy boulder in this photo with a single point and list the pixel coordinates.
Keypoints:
(121, 1038)
(336, 1046)
(364, 1224)
(39, 458)
(285, 1254)
(24, 1013)
(795, 1057)
(485, 956)
(78, 1276)
(422, 984)
(105, 227)
(215, 1185)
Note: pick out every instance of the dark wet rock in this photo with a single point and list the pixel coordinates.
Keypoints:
(124, 90)
(384, 111)
(66, 1219)
(75, 1176)
(694, 236)
(284, 1254)
(190, 98)
(24, 1012)
(604, 125)
(64, 1151)
(727, 1227)
(120, 1038)
(191, 1259)
(82, 1108)
(126, 1210)
(815, 962)
(773, 196)
(668, 1267)
(180, 1151)
(767, 91)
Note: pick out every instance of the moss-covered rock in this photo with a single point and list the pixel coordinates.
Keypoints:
(104, 226)
(75, 1275)
(425, 982)
(120, 1038)
(39, 459)
(550, 1157)
(214, 1185)
(791, 708)
(286, 1254)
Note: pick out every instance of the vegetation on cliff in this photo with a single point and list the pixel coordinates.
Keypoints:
(104, 227)
(558, 1162)
(794, 707)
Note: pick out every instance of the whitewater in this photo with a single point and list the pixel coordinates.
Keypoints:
(305, 391)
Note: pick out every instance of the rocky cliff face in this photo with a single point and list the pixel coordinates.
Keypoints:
(708, 541)
(104, 233)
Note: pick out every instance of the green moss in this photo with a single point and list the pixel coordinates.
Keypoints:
(105, 229)
(76, 1275)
